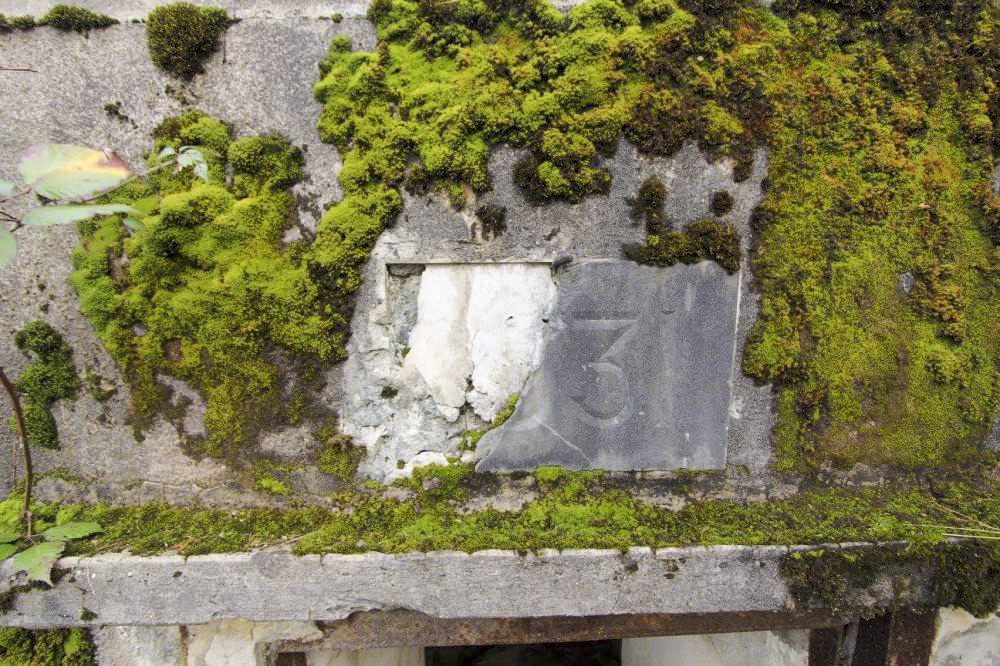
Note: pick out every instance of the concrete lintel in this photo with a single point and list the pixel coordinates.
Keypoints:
(274, 585)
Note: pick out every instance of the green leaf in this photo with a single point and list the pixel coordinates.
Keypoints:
(6, 550)
(71, 531)
(68, 171)
(47, 215)
(9, 537)
(201, 171)
(135, 226)
(38, 560)
(165, 153)
(194, 154)
(6, 188)
(146, 205)
(8, 247)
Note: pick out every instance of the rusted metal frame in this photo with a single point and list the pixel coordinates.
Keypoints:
(826, 645)
(902, 638)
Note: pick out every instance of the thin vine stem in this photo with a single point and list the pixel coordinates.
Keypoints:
(15, 402)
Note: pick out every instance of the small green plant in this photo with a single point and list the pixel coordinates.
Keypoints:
(36, 555)
(69, 180)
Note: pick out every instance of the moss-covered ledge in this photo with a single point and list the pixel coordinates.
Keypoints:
(276, 585)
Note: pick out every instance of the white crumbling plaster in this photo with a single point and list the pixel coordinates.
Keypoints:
(478, 333)
(472, 336)
(242, 643)
(774, 648)
(964, 640)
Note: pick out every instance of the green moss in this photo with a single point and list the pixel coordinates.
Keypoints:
(585, 510)
(699, 241)
(648, 204)
(181, 36)
(339, 457)
(114, 110)
(964, 574)
(471, 437)
(211, 287)
(268, 484)
(879, 118)
(493, 219)
(49, 377)
(11, 23)
(77, 19)
(46, 647)
(722, 203)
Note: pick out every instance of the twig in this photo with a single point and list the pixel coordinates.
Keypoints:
(18, 69)
(959, 527)
(29, 478)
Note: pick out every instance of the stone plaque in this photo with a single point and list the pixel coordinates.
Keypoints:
(635, 373)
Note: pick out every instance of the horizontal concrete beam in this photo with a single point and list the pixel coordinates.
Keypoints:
(276, 586)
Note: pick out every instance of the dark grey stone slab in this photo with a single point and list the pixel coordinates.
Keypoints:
(635, 373)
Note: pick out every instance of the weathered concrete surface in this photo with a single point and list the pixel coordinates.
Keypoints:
(478, 333)
(430, 231)
(773, 648)
(964, 640)
(125, 10)
(238, 642)
(140, 646)
(635, 373)
(277, 586)
(261, 80)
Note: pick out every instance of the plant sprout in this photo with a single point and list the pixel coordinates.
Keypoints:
(68, 179)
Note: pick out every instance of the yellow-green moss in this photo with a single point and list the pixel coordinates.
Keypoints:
(339, 457)
(471, 437)
(573, 510)
(879, 118)
(181, 36)
(209, 293)
(46, 647)
(49, 377)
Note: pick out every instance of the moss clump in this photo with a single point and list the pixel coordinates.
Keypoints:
(964, 574)
(46, 647)
(722, 203)
(181, 36)
(12, 23)
(648, 204)
(219, 301)
(50, 377)
(339, 457)
(77, 19)
(114, 110)
(493, 219)
(879, 118)
(266, 481)
(700, 241)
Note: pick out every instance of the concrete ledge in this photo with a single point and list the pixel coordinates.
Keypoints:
(277, 586)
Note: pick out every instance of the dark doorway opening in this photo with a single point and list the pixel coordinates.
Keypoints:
(586, 653)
